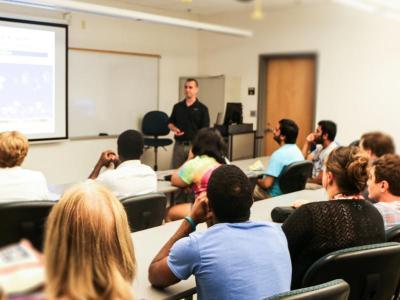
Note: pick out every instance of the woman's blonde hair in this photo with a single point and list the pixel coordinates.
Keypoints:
(88, 247)
(13, 149)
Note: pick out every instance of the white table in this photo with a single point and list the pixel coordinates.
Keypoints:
(165, 186)
(148, 242)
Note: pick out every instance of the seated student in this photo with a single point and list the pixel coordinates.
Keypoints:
(16, 183)
(384, 187)
(316, 229)
(207, 154)
(376, 144)
(88, 246)
(285, 134)
(126, 175)
(235, 258)
(324, 140)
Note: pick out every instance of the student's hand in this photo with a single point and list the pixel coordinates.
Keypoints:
(310, 138)
(178, 132)
(116, 161)
(107, 157)
(299, 202)
(200, 211)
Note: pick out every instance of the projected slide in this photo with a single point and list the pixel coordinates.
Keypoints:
(27, 80)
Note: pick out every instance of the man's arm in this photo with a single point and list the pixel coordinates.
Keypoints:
(266, 182)
(105, 159)
(206, 118)
(172, 122)
(175, 129)
(177, 181)
(307, 146)
(160, 275)
(317, 179)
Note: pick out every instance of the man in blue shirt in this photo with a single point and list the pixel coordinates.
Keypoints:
(285, 134)
(235, 258)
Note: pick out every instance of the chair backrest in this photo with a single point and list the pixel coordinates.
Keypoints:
(155, 123)
(333, 290)
(24, 219)
(294, 176)
(145, 211)
(372, 271)
(354, 143)
(393, 234)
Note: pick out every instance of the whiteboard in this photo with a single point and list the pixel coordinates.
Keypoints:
(110, 92)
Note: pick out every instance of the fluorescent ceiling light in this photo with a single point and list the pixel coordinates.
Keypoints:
(75, 6)
(361, 5)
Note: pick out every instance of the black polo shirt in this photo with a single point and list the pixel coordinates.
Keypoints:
(189, 119)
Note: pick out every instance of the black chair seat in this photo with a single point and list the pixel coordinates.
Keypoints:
(149, 142)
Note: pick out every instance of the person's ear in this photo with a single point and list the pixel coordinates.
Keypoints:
(329, 177)
(384, 186)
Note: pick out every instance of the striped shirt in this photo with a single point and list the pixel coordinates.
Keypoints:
(390, 212)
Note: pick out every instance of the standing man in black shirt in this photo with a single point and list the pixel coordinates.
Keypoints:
(188, 116)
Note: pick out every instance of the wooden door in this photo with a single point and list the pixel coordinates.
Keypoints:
(290, 94)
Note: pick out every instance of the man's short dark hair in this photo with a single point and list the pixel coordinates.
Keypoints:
(387, 168)
(229, 194)
(378, 142)
(193, 80)
(290, 130)
(329, 128)
(130, 145)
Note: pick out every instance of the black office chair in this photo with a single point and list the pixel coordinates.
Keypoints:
(145, 211)
(333, 290)
(393, 234)
(294, 176)
(155, 123)
(24, 220)
(372, 271)
(354, 143)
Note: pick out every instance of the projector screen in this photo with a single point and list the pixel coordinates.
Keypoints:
(33, 78)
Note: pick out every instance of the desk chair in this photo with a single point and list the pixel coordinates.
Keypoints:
(333, 290)
(155, 123)
(372, 271)
(393, 234)
(354, 143)
(294, 176)
(24, 219)
(145, 211)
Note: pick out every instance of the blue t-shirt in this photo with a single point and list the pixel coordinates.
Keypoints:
(247, 260)
(284, 156)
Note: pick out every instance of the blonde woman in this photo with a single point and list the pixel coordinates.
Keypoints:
(16, 183)
(88, 247)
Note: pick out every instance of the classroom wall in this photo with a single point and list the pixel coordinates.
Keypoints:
(358, 83)
(70, 161)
